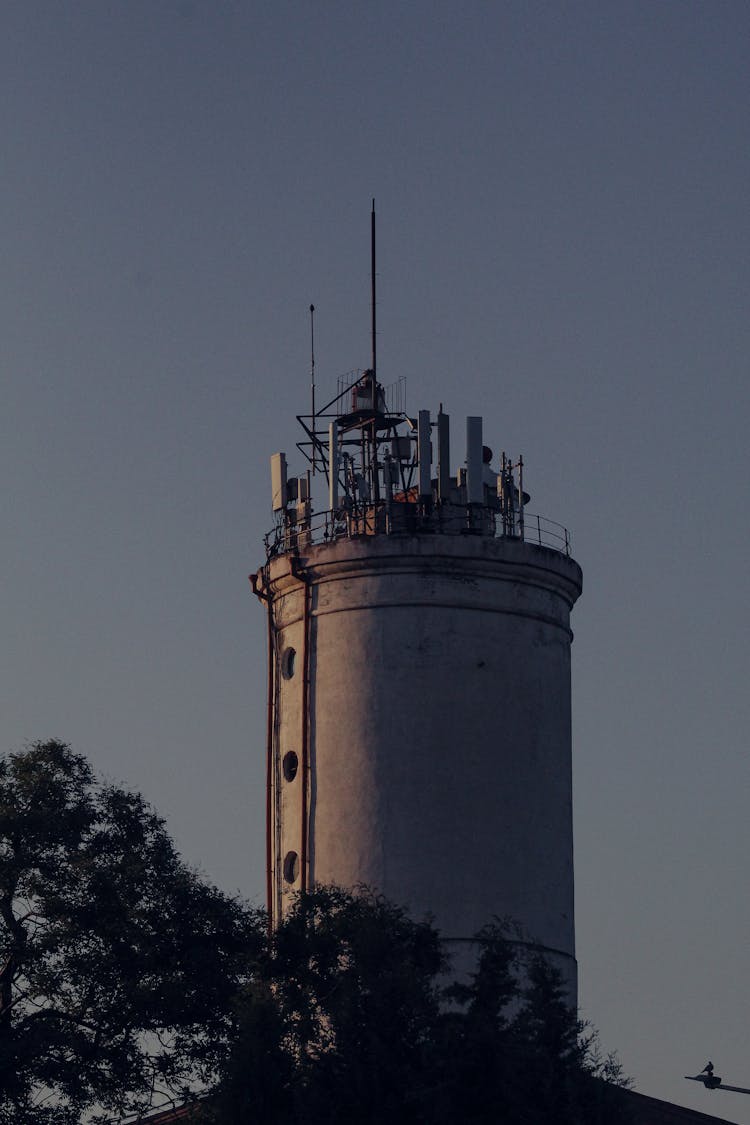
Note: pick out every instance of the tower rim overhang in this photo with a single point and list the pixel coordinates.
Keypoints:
(505, 559)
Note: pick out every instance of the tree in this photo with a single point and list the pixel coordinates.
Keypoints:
(352, 1017)
(118, 964)
(125, 978)
(337, 1026)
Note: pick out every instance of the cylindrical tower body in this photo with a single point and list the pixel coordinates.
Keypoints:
(420, 728)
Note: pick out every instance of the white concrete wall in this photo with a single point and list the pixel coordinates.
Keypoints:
(439, 738)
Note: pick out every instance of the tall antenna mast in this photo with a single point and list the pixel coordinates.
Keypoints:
(312, 379)
(372, 287)
(375, 480)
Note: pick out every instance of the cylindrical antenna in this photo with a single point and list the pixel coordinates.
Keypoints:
(312, 381)
(372, 287)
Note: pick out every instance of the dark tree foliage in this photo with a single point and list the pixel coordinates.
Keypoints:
(352, 1017)
(338, 1025)
(126, 980)
(118, 964)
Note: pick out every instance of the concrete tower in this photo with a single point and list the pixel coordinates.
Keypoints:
(419, 721)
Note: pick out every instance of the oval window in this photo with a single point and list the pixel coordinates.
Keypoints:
(287, 663)
(290, 765)
(291, 867)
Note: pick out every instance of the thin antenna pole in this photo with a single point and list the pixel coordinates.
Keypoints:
(520, 494)
(312, 379)
(374, 436)
(372, 287)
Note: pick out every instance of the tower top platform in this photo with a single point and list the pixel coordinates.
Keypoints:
(387, 473)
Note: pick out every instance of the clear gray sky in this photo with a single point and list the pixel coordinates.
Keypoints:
(562, 195)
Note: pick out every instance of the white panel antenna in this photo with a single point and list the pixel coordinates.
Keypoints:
(278, 481)
(425, 455)
(474, 482)
(444, 455)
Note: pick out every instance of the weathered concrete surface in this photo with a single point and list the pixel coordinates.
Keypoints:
(437, 708)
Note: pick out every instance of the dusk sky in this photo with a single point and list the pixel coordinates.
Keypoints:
(563, 245)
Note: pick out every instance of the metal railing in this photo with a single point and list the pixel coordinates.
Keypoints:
(546, 533)
(408, 519)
